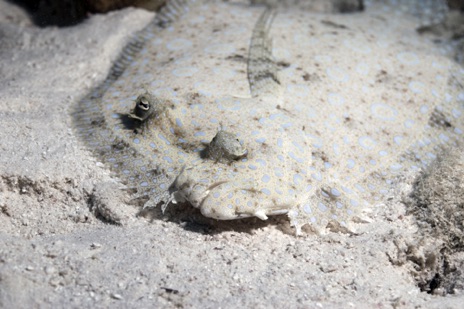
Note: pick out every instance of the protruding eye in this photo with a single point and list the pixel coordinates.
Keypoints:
(226, 147)
(145, 106)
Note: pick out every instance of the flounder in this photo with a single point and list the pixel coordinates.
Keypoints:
(250, 111)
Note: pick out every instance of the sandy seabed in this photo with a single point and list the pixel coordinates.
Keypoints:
(56, 252)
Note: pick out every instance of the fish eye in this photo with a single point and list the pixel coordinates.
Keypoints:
(144, 104)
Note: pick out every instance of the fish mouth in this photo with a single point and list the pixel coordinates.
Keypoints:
(217, 184)
(229, 200)
(225, 199)
(209, 191)
(186, 189)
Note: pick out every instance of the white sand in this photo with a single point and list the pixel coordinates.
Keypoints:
(54, 252)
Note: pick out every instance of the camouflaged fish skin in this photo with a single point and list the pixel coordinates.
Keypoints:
(329, 108)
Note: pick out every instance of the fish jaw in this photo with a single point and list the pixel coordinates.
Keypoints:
(223, 199)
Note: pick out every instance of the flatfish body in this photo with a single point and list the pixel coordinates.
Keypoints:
(327, 113)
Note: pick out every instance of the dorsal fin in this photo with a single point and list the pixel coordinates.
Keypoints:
(171, 12)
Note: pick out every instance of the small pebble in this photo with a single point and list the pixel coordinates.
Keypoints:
(50, 270)
(95, 245)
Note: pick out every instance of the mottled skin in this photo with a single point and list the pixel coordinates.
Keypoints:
(348, 102)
